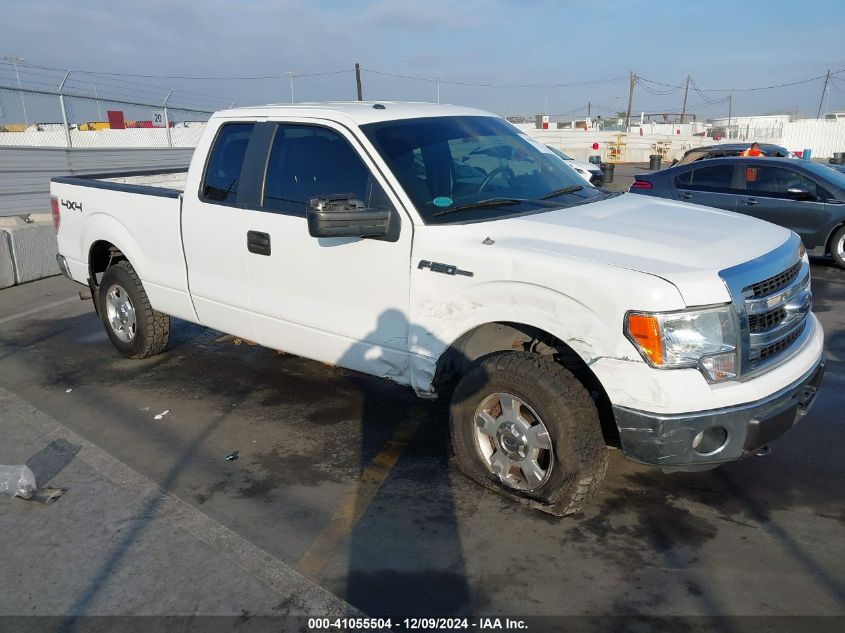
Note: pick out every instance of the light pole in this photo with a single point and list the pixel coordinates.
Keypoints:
(97, 97)
(16, 61)
(291, 74)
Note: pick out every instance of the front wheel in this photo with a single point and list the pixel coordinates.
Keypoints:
(837, 247)
(524, 425)
(133, 326)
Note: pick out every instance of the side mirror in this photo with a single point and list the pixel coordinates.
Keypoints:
(342, 215)
(800, 193)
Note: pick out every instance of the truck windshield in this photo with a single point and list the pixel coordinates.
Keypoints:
(480, 167)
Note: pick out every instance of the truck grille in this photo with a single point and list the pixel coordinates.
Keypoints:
(773, 284)
(762, 322)
(765, 353)
(777, 309)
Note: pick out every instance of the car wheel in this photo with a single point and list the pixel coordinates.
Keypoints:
(524, 425)
(837, 247)
(133, 326)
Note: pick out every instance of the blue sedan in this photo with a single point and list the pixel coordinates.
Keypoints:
(807, 197)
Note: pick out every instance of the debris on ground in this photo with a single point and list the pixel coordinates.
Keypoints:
(48, 494)
(69, 389)
(237, 340)
(162, 414)
(232, 456)
(17, 481)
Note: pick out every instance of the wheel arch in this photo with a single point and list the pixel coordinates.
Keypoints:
(101, 255)
(503, 336)
(828, 243)
(106, 241)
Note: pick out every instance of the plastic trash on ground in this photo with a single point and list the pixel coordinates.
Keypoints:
(17, 481)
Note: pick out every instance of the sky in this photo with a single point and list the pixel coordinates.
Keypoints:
(722, 45)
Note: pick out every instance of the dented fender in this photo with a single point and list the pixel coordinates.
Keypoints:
(592, 330)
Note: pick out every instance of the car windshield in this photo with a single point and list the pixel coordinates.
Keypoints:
(693, 155)
(830, 176)
(475, 168)
(560, 153)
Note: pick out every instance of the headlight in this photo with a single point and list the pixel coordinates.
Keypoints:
(694, 338)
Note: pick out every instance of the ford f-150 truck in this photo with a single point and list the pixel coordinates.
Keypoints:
(560, 319)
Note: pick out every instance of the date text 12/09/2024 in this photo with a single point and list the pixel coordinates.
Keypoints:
(362, 624)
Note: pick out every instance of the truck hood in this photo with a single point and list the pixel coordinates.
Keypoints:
(685, 244)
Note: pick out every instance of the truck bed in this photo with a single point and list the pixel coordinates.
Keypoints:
(139, 214)
(168, 183)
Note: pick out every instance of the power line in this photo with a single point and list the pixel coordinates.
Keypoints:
(186, 77)
(642, 82)
(491, 85)
(792, 83)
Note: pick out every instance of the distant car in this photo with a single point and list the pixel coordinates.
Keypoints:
(588, 171)
(807, 197)
(730, 149)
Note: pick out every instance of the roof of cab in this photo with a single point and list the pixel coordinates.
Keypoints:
(356, 112)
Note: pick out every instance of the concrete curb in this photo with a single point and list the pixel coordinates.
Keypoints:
(301, 596)
(27, 251)
(7, 266)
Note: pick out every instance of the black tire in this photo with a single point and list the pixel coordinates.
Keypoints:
(151, 329)
(836, 241)
(578, 456)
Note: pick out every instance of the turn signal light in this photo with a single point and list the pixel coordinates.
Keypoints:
(646, 330)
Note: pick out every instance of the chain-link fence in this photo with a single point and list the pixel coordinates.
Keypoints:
(43, 118)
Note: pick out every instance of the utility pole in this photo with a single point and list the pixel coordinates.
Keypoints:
(358, 81)
(631, 81)
(730, 107)
(821, 101)
(97, 97)
(291, 74)
(438, 89)
(167, 119)
(684, 107)
(16, 61)
(589, 103)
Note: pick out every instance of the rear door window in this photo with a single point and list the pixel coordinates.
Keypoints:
(225, 162)
(309, 161)
(711, 178)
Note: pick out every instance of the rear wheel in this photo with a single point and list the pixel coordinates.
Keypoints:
(133, 326)
(525, 426)
(837, 247)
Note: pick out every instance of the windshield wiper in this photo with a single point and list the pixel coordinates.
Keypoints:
(490, 202)
(560, 192)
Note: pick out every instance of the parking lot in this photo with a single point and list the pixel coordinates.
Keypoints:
(343, 487)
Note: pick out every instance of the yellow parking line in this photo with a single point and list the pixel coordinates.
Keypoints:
(355, 504)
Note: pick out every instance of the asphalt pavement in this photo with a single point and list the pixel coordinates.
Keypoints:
(343, 493)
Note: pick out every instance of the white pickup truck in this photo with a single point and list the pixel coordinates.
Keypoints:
(560, 319)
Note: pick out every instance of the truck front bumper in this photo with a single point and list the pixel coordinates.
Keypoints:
(701, 440)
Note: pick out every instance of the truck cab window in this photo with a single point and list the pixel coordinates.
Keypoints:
(308, 161)
(223, 171)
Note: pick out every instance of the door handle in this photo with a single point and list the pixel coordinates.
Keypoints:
(750, 201)
(685, 196)
(258, 243)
